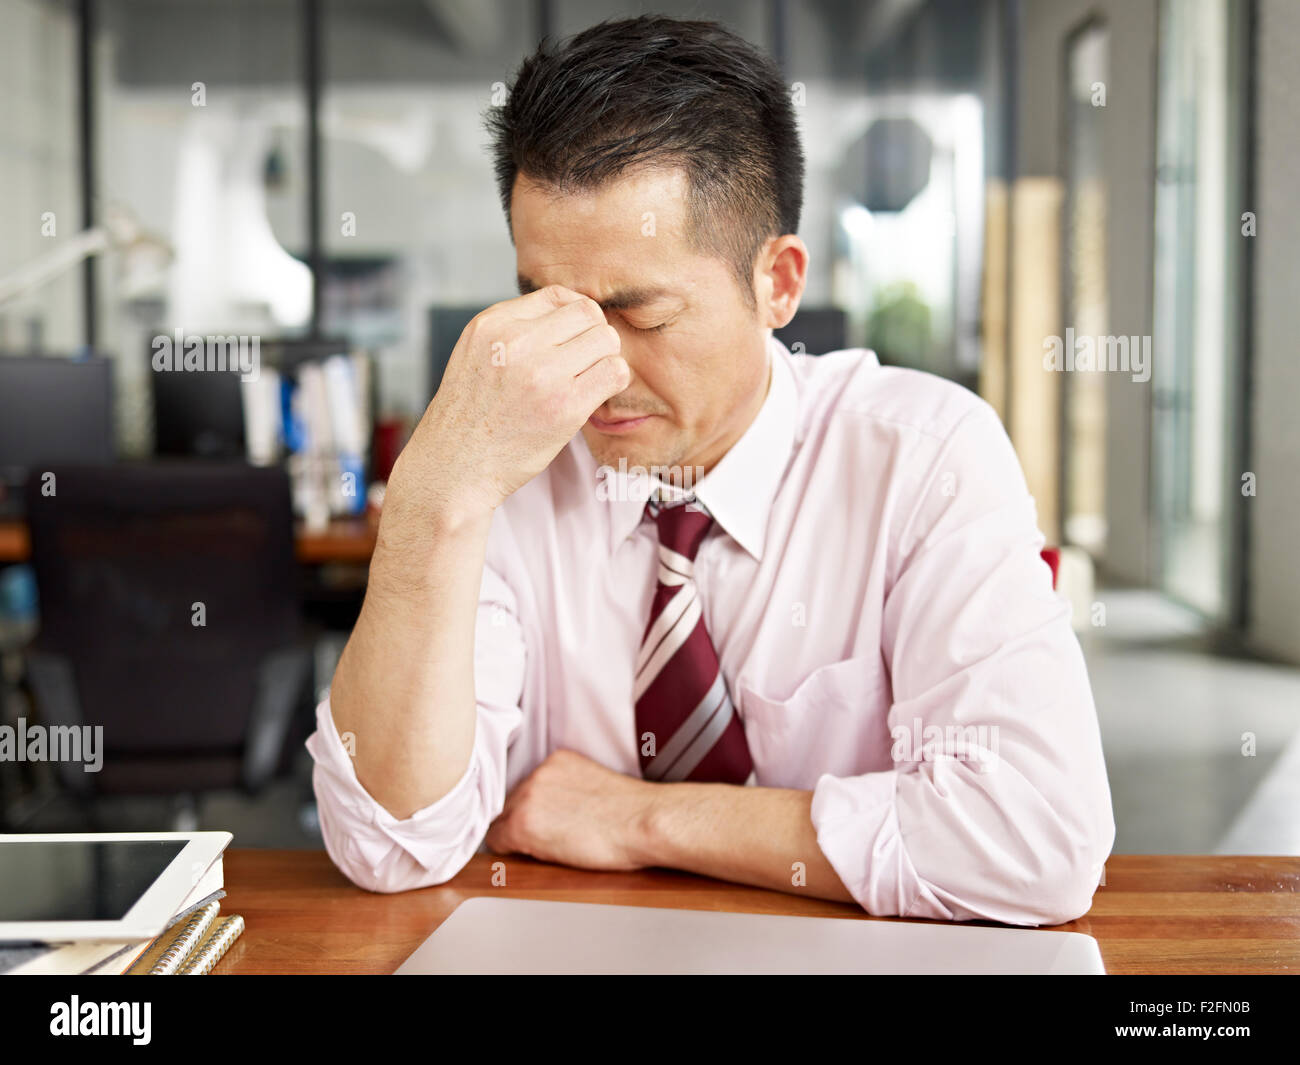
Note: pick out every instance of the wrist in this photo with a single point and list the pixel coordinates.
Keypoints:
(432, 504)
(419, 542)
(652, 831)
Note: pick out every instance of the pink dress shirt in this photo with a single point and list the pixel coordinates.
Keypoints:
(885, 625)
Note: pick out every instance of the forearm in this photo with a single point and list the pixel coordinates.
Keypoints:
(759, 836)
(404, 687)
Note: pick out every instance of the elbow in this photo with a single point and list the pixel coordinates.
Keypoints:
(398, 870)
(1061, 886)
(1049, 891)
(382, 854)
(367, 877)
(1059, 863)
(1043, 878)
(1062, 894)
(374, 861)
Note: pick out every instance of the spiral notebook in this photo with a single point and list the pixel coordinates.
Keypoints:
(190, 947)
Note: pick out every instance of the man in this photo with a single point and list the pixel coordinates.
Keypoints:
(826, 658)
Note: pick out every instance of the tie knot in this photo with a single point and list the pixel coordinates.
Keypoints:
(682, 528)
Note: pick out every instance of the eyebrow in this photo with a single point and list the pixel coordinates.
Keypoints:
(621, 300)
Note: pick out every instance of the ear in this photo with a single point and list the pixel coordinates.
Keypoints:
(780, 275)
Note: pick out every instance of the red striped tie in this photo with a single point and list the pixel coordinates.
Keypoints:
(681, 697)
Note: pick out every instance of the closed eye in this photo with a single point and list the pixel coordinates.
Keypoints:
(651, 328)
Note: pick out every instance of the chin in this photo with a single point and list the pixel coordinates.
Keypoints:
(611, 451)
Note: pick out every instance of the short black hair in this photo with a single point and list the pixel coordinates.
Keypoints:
(661, 91)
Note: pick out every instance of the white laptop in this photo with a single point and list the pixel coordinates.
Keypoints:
(521, 936)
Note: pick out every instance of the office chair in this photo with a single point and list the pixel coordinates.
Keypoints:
(168, 615)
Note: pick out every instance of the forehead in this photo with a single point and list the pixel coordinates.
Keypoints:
(629, 232)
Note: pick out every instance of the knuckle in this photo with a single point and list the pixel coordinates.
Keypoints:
(524, 822)
(473, 330)
(483, 321)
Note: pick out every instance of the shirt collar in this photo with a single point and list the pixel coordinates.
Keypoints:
(739, 490)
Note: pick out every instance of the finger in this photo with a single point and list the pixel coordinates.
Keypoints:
(510, 338)
(498, 846)
(564, 323)
(498, 835)
(541, 301)
(578, 355)
(606, 378)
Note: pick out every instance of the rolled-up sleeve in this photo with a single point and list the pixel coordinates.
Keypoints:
(378, 851)
(998, 805)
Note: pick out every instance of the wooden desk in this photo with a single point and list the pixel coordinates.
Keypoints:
(1167, 914)
(15, 545)
(344, 540)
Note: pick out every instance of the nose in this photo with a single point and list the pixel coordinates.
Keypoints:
(636, 399)
(630, 349)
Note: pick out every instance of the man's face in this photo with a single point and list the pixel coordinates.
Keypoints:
(696, 349)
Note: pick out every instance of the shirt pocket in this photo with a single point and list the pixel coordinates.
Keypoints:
(836, 722)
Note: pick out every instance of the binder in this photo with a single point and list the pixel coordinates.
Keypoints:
(214, 946)
(192, 947)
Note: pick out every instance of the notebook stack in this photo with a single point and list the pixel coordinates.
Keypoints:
(192, 947)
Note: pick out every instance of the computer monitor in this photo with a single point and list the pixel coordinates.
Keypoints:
(286, 354)
(198, 413)
(52, 410)
(818, 329)
(445, 327)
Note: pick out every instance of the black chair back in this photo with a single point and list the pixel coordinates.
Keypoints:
(166, 590)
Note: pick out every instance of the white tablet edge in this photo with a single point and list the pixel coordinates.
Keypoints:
(151, 911)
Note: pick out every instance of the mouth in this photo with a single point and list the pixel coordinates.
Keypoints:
(618, 425)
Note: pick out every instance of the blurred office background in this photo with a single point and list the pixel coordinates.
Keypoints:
(983, 176)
